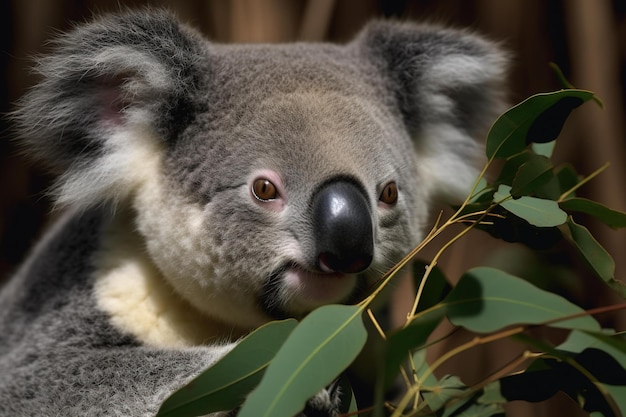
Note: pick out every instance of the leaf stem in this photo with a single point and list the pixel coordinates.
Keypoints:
(439, 253)
(387, 276)
(414, 390)
(509, 367)
(583, 182)
(376, 324)
(505, 370)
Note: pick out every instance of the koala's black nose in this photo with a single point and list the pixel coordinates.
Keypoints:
(343, 228)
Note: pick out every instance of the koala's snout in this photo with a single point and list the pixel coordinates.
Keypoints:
(343, 228)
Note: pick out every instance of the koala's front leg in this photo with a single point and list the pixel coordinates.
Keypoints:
(325, 403)
(143, 378)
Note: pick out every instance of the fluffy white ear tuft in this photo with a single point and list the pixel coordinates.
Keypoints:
(111, 92)
(448, 88)
(462, 97)
(448, 162)
(129, 157)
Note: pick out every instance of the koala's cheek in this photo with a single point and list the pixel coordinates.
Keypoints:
(178, 240)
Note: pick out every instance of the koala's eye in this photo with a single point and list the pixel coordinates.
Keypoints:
(264, 190)
(389, 195)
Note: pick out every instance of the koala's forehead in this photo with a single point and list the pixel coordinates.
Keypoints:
(245, 70)
(307, 112)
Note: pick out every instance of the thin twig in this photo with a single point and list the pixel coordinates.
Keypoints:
(583, 182)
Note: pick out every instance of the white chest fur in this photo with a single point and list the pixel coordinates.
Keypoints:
(132, 291)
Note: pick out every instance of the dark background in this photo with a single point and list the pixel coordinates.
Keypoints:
(586, 38)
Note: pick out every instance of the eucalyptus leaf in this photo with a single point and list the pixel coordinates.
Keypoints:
(618, 394)
(462, 408)
(413, 336)
(544, 149)
(559, 74)
(567, 176)
(598, 259)
(487, 299)
(612, 218)
(491, 394)
(316, 352)
(566, 84)
(579, 376)
(416, 332)
(511, 166)
(483, 202)
(547, 125)
(451, 396)
(425, 379)
(533, 173)
(589, 367)
(564, 179)
(224, 385)
(536, 211)
(449, 387)
(436, 287)
(504, 225)
(607, 341)
(537, 119)
(482, 188)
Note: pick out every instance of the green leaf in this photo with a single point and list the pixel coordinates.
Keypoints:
(535, 172)
(491, 394)
(582, 377)
(481, 189)
(563, 180)
(536, 211)
(408, 338)
(607, 341)
(421, 366)
(612, 218)
(511, 166)
(487, 299)
(567, 177)
(537, 119)
(544, 149)
(461, 408)
(618, 394)
(436, 287)
(504, 225)
(566, 84)
(224, 385)
(594, 254)
(602, 354)
(448, 388)
(318, 350)
(451, 395)
(428, 316)
(547, 126)
(557, 71)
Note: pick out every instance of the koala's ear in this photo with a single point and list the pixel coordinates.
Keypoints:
(111, 92)
(448, 88)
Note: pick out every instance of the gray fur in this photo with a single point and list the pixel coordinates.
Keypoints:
(400, 103)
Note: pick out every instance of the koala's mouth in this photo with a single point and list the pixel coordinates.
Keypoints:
(293, 291)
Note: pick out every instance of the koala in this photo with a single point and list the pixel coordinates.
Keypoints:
(210, 188)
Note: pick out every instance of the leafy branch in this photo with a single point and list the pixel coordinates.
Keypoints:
(280, 365)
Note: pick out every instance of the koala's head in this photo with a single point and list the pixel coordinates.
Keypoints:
(267, 180)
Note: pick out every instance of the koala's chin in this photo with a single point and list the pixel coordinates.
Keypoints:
(293, 291)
